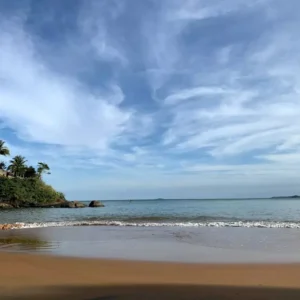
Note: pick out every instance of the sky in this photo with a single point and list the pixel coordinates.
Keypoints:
(147, 99)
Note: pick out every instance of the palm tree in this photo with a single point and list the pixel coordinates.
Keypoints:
(2, 165)
(18, 165)
(3, 149)
(3, 168)
(42, 168)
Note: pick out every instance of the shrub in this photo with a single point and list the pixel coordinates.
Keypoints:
(27, 191)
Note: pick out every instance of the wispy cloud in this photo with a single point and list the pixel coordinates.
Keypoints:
(195, 92)
(93, 27)
(256, 101)
(42, 106)
(200, 10)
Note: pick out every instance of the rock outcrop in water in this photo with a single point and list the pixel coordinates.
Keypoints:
(75, 204)
(57, 204)
(9, 226)
(96, 203)
(5, 206)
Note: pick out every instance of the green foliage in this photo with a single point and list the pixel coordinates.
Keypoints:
(27, 187)
(18, 165)
(27, 191)
(42, 168)
(3, 149)
(2, 165)
(30, 172)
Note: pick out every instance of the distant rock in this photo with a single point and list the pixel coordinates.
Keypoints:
(79, 204)
(286, 197)
(96, 203)
(57, 204)
(75, 204)
(70, 204)
(5, 205)
(10, 226)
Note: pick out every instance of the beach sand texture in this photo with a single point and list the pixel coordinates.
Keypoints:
(28, 276)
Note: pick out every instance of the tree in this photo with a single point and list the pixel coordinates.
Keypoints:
(3, 168)
(42, 168)
(18, 165)
(2, 165)
(3, 149)
(30, 172)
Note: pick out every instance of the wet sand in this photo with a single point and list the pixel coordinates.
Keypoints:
(29, 276)
(109, 263)
(188, 245)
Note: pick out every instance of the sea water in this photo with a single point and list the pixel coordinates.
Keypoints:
(261, 213)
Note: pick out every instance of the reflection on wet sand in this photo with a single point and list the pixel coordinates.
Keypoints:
(14, 241)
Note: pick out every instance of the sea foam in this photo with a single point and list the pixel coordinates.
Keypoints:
(246, 224)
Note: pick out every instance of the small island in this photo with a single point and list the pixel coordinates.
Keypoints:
(22, 186)
(286, 197)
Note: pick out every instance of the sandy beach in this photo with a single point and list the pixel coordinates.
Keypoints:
(28, 276)
(91, 262)
(159, 262)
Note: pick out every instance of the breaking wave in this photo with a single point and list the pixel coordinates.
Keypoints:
(246, 224)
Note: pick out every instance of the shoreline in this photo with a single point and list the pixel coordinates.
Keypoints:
(9, 205)
(173, 244)
(262, 224)
(43, 276)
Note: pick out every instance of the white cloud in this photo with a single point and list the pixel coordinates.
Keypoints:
(93, 28)
(255, 103)
(42, 106)
(193, 93)
(204, 9)
(286, 159)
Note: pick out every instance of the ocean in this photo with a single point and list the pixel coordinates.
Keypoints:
(261, 213)
(221, 230)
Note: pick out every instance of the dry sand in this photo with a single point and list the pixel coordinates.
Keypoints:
(25, 276)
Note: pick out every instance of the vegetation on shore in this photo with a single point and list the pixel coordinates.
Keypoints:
(27, 192)
(22, 185)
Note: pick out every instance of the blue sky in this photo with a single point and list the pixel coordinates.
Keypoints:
(146, 99)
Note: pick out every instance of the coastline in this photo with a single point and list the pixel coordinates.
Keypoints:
(28, 276)
(56, 204)
(173, 244)
(121, 252)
